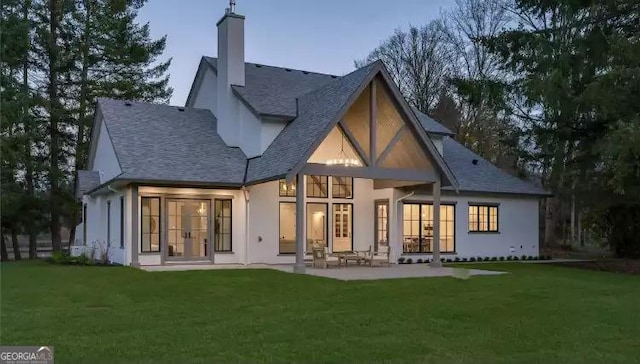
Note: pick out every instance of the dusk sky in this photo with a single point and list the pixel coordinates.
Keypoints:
(322, 36)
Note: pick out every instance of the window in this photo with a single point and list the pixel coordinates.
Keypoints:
(108, 223)
(418, 228)
(150, 227)
(287, 190)
(84, 224)
(316, 226)
(317, 186)
(222, 225)
(483, 218)
(121, 221)
(287, 228)
(342, 187)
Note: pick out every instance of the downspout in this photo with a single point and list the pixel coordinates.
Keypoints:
(112, 189)
(246, 224)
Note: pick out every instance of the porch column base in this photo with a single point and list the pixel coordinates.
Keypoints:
(435, 263)
(299, 268)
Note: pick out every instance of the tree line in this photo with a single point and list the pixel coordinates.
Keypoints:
(548, 90)
(57, 58)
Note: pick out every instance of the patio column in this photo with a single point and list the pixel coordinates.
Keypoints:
(435, 261)
(300, 220)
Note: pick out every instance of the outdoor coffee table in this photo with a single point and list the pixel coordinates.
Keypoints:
(352, 257)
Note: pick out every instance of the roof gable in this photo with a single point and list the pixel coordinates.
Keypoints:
(319, 112)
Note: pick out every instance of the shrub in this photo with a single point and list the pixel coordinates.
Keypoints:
(493, 259)
(409, 261)
(510, 257)
(457, 259)
(523, 257)
(501, 258)
(472, 259)
(486, 259)
(449, 260)
(419, 261)
(464, 259)
(59, 258)
(443, 260)
(82, 259)
(515, 258)
(401, 260)
(427, 260)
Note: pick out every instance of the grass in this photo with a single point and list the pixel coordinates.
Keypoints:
(537, 314)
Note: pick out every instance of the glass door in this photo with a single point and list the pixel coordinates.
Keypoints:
(342, 227)
(188, 229)
(381, 224)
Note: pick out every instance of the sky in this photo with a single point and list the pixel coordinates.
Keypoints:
(315, 35)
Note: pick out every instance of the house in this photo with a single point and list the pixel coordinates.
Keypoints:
(263, 163)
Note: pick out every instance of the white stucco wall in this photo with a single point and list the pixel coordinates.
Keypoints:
(517, 225)
(264, 220)
(104, 159)
(270, 130)
(98, 240)
(237, 217)
(205, 93)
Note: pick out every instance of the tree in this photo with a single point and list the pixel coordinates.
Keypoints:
(575, 67)
(417, 62)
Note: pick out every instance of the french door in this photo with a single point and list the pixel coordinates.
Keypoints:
(188, 229)
(381, 224)
(342, 227)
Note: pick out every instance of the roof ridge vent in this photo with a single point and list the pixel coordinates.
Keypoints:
(127, 103)
(288, 69)
(305, 72)
(180, 109)
(259, 65)
(334, 76)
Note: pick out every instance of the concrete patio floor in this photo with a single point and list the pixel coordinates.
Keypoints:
(345, 273)
(394, 271)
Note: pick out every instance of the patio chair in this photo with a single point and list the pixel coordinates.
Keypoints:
(382, 256)
(322, 259)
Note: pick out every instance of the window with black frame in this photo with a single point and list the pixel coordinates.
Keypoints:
(286, 189)
(222, 211)
(317, 186)
(342, 187)
(418, 228)
(483, 218)
(150, 224)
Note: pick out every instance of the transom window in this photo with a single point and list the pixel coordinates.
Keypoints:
(418, 228)
(317, 186)
(483, 218)
(342, 187)
(287, 189)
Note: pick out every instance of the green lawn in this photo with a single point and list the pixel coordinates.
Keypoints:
(537, 314)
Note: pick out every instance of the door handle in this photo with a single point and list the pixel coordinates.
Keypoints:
(189, 234)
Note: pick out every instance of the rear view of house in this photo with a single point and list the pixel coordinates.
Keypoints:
(263, 163)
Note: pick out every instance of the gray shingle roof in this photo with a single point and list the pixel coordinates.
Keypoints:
(317, 109)
(87, 180)
(160, 142)
(273, 90)
(483, 176)
(429, 124)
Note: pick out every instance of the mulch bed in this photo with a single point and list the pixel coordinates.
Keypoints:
(627, 266)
